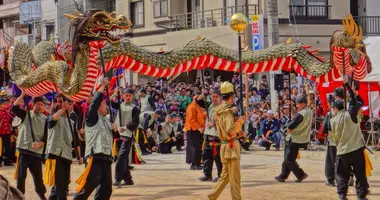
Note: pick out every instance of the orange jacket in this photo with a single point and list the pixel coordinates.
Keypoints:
(195, 117)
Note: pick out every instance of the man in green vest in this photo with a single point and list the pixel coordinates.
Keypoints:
(30, 143)
(298, 136)
(347, 136)
(59, 152)
(99, 138)
(166, 135)
(147, 128)
(211, 150)
(178, 131)
(331, 149)
(129, 122)
(146, 102)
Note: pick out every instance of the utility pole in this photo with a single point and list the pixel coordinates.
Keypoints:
(273, 38)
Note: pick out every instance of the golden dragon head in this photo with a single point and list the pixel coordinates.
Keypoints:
(99, 25)
(351, 36)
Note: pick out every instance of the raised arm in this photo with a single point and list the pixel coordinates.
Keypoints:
(353, 103)
(92, 113)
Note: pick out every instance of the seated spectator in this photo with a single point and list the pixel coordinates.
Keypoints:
(172, 99)
(184, 99)
(269, 132)
(255, 98)
(161, 105)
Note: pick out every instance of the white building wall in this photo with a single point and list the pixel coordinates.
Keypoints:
(49, 15)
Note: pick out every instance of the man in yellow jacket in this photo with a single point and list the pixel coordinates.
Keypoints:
(228, 133)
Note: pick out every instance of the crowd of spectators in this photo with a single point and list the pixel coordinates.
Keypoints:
(264, 123)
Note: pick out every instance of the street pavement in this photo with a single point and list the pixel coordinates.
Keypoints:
(168, 177)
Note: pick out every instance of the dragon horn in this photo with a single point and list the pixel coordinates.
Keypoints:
(77, 13)
(345, 25)
(69, 16)
(289, 41)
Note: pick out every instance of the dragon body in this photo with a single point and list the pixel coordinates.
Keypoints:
(75, 76)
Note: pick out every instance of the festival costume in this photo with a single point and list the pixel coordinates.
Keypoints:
(297, 139)
(330, 153)
(165, 133)
(211, 148)
(351, 152)
(178, 130)
(228, 130)
(27, 157)
(130, 121)
(99, 138)
(59, 156)
(5, 138)
(195, 119)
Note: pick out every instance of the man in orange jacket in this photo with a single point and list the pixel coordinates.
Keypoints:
(194, 127)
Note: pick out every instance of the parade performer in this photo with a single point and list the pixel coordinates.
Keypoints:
(59, 154)
(30, 144)
(5, 134)
(178, 132)
(166, 135)
(211, 150)
(147, 127)
(99, 138)
(298, 136)
(331, 148)
(194, 127)
(351, 152)
(130, 120)
(146, 101)
(228, 132)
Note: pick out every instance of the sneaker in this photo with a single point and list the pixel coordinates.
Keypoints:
(216, 179)
(330, 183)
(130, 182)
(117, 183)
(302, 178)
(279, 179)
(205, 178)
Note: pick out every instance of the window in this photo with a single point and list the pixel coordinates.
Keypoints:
(160, 8)
(137, 13)
(309, 8)
(49, 32)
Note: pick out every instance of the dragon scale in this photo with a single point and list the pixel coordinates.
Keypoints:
(77, 80)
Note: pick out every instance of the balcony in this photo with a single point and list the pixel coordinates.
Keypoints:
(369, 24)
(310, 11)
(209, 18)
(9, 9)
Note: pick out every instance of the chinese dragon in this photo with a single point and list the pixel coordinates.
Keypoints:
(74, 72)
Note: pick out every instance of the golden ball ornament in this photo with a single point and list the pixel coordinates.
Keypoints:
(238, 22)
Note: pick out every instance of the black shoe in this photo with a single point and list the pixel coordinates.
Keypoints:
(179, 149)
(279, 179)
(206, 178)
(302, 178)
(277, 148)
(117, 183)
(195, 167)
(130, 182)
(363, 198)
(330, 184)
(343, 198)
(216, 179)
(8, 164)
(131, 167)
(1, 165)
(351, 181)
(267, 148)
